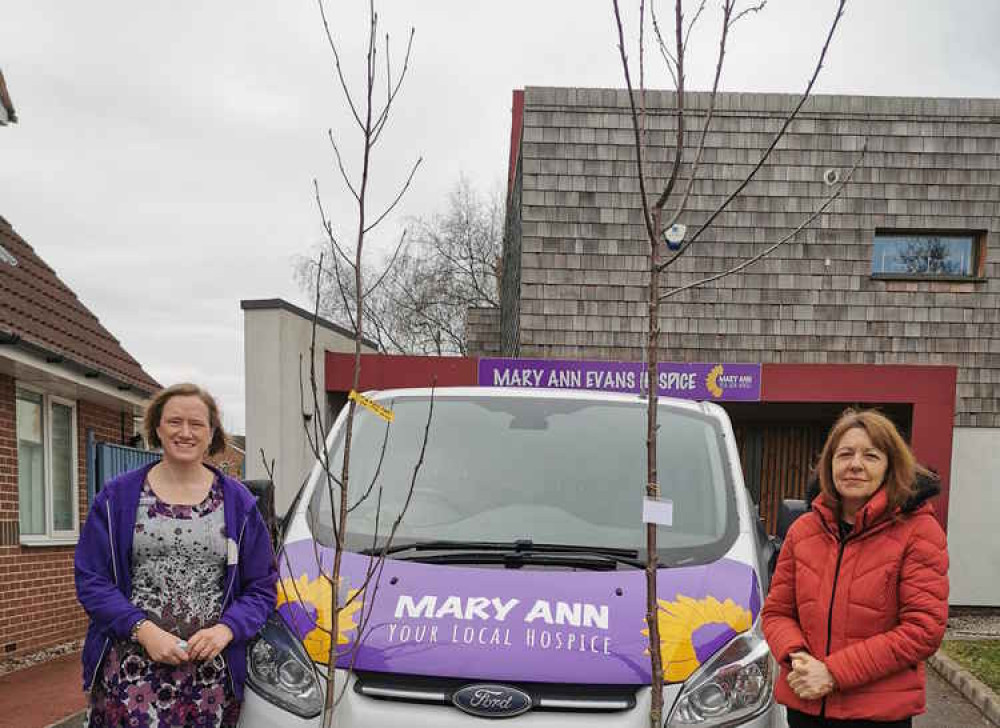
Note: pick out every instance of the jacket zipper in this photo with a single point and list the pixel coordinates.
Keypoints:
(829, 618)
(114, 574)
(833, 593)
(229, 589)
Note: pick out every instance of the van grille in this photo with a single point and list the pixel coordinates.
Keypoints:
(544, 696)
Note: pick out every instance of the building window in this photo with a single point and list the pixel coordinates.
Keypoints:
(46, 467)
(928, 255)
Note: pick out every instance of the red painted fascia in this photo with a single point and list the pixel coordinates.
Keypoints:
(857, 383)
(389, 371)
(516, 125)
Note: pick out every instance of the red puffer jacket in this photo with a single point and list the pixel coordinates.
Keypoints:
(872, 607)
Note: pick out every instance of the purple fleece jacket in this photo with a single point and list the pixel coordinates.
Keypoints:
(103, 567)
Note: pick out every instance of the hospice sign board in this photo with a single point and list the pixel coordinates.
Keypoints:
(701, 381)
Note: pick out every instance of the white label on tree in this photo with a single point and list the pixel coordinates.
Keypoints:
(659, 512)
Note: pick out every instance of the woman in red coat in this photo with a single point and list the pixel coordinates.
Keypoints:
(859, 598)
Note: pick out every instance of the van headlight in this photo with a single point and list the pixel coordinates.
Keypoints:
(735, 685)
(281, 671)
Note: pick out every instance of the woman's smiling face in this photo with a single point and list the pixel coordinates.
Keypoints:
(859, 467)
(185, 429)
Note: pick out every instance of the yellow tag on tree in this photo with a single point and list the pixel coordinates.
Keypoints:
(385, 414)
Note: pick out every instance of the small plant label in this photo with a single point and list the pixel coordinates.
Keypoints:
(386, 414)
(657, 511)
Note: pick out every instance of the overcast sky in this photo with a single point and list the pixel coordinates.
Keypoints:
(164, 155)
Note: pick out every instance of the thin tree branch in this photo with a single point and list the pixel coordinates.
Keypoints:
(328, 226)
(352, 316)
(647, 218)
(399, 196)
(383, 116)
(340, 164)
(388, 73)
(687, 33)
(336, 58)
(392, 262)
(754, 9)
(767, 153)
(767, 251)
(378, 470)
(668, 57)
(679, 144)
(727, 8)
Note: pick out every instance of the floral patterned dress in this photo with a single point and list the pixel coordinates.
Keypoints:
(178, 575)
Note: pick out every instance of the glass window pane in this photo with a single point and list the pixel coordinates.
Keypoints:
(30, 463)
(924, 255)
(505, 469)
(62, 467)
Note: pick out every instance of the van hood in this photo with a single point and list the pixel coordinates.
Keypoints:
(519, 625)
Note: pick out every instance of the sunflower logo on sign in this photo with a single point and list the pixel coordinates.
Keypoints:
(305, 605)
(712, 381)
(692, 630)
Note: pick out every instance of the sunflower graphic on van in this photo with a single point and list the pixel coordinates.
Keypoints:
(692, 630)
(305, 605)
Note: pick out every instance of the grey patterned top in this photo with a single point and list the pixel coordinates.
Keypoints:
(179, 561)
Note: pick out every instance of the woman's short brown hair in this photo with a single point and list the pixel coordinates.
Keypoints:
(154, 413)
(902, 470)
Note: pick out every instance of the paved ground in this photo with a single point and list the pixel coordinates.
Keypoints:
(42, 694)
(75, 721)
(47, 694)
(947, 708)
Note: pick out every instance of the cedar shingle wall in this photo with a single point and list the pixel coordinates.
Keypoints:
(482, 331)
(931, 164)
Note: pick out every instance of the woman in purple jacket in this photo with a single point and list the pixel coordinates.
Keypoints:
(176, 571)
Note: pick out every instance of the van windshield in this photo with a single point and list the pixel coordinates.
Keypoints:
(551, 470)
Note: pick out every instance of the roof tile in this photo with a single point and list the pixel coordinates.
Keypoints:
(44, 312)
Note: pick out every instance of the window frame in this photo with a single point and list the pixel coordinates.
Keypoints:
(52, 537)
(979, 252)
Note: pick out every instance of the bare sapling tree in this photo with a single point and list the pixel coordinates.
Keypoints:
(667, 205)
(370, 112)
(448, 265)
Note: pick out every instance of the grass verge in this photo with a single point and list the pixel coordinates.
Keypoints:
(980, 657)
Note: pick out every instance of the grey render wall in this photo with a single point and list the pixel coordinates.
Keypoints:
(932, 164)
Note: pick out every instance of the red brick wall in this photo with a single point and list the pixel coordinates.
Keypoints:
(39, 607)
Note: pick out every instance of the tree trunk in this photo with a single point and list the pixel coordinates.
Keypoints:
(652, 486)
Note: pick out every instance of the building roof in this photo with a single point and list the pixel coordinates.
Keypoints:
(268, 304)
(40, 313)
(7, 113)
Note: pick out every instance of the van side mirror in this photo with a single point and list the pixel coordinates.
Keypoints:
(263, 490)
(788, 513)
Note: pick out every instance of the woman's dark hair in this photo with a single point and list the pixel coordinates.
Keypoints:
(902, 471)
(154, 413)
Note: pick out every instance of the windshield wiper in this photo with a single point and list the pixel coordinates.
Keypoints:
(518, 559)
(511, 551)
(442, 546)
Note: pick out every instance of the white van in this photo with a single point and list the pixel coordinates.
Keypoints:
(515, 584)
